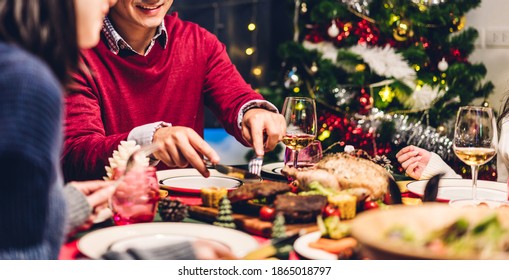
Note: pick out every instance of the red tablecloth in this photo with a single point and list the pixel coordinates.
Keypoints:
(70, 250)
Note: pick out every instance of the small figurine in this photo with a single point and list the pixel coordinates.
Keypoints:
(224, 216)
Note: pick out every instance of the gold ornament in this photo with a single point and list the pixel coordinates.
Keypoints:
(403, 30)
(486, 104)
(303, 8)
(458, 23)
(442, 130)
(360, 67)
(387, 94)
(314, 68)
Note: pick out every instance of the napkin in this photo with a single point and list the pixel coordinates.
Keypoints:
(177, 251)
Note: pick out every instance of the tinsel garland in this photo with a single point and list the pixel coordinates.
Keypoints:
(420, 135)
(406, 132)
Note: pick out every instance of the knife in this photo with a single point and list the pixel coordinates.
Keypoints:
(233, 171)
(394, 192)
(431, 189)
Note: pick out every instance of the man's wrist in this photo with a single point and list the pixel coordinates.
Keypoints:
(158, 126)
(255, 104)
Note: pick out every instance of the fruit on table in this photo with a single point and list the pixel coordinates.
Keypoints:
(370, 204)
(267, 213)
(330, 210)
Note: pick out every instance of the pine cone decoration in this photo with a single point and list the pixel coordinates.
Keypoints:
(172, 210)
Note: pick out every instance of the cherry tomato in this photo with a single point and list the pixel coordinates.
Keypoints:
(330, 210)
(387, 198)
(267, 213)
(370, 204)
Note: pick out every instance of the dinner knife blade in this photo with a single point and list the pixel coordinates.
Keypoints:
(431, 189)
(394, 192)
(234, 172)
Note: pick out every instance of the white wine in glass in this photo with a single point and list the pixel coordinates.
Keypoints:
(475, 140)
(301, 124)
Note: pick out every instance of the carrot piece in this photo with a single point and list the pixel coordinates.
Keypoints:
(334, 246)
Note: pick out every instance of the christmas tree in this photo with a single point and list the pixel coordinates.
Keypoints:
(384, 73)
(278, 227)
(224, 216)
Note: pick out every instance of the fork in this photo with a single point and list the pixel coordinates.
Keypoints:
(255, 165)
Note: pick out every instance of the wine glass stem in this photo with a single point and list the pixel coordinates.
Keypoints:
(475, 170)
(295, 158)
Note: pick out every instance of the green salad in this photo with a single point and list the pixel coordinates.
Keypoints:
(486, 239)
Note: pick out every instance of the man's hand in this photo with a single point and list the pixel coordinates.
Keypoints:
(182, 146)
(260, 123)
(414, 160)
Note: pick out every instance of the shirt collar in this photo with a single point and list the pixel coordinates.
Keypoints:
(116, 42)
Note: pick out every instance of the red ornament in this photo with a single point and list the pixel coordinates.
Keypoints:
(366, 102)
(315, 35)
(367, 32)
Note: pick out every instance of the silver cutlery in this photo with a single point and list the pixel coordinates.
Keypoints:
(233, 171)
(255, 165)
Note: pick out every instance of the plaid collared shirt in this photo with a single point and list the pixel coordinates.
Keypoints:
(116, 42)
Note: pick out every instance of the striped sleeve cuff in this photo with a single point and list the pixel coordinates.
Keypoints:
(435, 166)
(259, 103)
(77, 206)
(144, 134)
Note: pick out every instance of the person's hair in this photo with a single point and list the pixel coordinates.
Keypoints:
(45, 28)
(504, 112)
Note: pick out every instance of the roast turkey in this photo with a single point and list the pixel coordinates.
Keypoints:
(343, 171)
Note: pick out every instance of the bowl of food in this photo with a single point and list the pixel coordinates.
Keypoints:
(433, 231)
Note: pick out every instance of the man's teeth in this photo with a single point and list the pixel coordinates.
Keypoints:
(148, 8)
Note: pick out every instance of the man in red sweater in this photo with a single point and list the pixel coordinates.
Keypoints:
(148, 80)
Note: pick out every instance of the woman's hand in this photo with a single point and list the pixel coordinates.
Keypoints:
(414, 160)
(97, 194)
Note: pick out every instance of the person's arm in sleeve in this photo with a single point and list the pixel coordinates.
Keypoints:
(242, 111)
(421, 164)
(86, 147)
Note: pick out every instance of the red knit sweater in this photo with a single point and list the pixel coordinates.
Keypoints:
(113, 94)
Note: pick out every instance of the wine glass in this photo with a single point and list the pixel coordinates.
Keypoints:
(475, 141)
(308, 157)
(300, 116)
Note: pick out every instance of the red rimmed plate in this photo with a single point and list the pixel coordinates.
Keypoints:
(189, 180)
(452, 189)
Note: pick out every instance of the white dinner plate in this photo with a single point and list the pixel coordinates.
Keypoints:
(274, 169)
(452, 189)
(301, 247)
(148, 235)
(189, 180)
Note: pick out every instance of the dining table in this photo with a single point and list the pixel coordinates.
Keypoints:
(70, 251)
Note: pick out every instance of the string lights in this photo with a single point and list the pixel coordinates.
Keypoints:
(250, 51)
